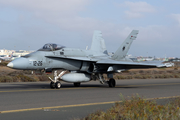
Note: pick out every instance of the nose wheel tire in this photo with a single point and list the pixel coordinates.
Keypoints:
(112, 83)
(52, 85)
(58, 85)
(77, 84)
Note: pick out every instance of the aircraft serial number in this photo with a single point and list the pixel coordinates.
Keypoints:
(37, 63)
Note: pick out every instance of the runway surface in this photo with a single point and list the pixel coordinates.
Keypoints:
(28, 100)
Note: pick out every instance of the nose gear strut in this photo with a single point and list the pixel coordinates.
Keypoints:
(55, 83)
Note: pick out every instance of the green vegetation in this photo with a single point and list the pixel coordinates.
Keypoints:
(138, 108)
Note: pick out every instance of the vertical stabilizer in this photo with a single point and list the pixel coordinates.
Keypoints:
(124, 48)
(98, 43)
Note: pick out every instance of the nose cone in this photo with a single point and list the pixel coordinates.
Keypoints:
(20, 63)
(10, 65)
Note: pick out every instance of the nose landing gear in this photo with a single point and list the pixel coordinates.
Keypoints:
(55, 83)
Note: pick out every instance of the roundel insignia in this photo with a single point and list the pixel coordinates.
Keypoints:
(123, 48)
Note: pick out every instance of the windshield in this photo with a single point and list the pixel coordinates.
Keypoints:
(51, 47)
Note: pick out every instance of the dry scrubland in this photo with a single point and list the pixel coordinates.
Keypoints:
(11, 75)
(138, 108)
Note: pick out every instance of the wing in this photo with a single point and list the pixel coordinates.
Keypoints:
(101, 62)
(118, 65)
(90, 59)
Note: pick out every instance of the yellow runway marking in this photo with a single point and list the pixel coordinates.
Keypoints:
(45, 89)
(85, 88)
(77, 105)
(65, 106)
(24, 90)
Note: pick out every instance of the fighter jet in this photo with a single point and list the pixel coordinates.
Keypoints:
(83, 65)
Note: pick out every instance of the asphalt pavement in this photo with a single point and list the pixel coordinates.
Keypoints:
(35, 100)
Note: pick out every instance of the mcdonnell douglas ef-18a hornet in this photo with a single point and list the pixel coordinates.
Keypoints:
(83, 65)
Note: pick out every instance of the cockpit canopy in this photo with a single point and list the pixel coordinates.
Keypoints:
(51, 47)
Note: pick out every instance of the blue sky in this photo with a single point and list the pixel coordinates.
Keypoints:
(28, 25)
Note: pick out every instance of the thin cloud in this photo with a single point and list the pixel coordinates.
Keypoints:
(47, 5)
(63, 13)
(130, 14)
(137, 9)
(57, 19)
(176, 17)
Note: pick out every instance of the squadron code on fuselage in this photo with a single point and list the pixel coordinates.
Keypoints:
(84, 65)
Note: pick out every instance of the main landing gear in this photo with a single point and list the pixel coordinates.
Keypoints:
(55, 83)
(111, 82)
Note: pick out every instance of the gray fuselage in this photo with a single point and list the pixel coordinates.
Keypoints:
(40, 60)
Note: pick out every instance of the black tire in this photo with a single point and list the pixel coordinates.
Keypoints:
(52, 85)
(112, 83)
(77, 84)
(58, 85)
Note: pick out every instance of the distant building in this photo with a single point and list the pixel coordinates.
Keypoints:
(133, 59)
(21, 53)
(174, 60)
(4, 52)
